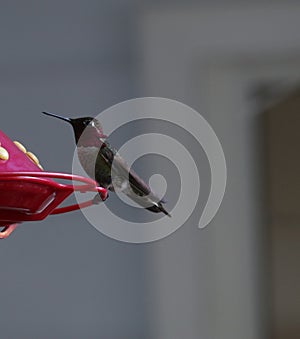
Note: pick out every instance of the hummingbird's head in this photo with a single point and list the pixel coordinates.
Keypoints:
(90, 126)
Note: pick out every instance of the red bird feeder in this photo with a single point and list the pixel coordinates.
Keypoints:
(28, 194)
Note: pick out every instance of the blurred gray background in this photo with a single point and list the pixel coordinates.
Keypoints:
(230, 60)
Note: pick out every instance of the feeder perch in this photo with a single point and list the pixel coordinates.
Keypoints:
(29, 194)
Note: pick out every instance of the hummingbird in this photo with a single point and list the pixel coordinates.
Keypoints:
(103, 163)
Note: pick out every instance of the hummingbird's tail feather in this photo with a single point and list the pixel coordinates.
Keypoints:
(157, 208)
(150, 201)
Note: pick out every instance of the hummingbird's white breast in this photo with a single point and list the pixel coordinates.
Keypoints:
(87, 157)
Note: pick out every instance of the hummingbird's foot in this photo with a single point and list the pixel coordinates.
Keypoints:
(97, 199)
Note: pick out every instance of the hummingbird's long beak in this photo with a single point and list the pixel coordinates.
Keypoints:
(58, 117)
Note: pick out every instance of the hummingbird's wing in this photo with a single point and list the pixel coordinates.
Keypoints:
(137, 190)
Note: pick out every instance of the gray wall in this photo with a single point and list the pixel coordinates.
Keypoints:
(61, 278)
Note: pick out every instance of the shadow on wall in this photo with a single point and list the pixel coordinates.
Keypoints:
(282, 123)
